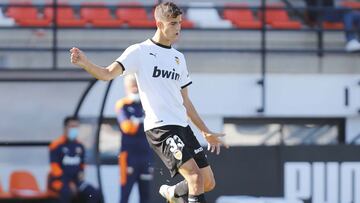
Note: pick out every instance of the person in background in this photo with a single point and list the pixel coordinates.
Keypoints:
(66, 176)
(135, 159)
(334, 11)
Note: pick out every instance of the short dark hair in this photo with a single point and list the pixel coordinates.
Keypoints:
(167, 10)
(69, 119)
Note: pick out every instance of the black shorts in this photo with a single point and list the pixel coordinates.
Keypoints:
(175, 145)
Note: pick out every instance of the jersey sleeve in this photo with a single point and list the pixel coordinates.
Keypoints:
(185, 79)
(122, 115)
(55, 162)
(125, 121)
(130, 59)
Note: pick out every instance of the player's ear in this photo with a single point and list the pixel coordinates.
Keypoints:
(159, 24)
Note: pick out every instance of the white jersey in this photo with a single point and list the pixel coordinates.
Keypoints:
(160, 73)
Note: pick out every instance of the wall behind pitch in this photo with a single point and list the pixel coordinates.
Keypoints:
(238, 95)
(304, 172)
(226, 95)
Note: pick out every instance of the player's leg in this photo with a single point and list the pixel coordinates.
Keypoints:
(144, 180)
(61, 188)
(192, 174)
(176, 193)
(88, 193)
(128, 177)
(181, 189)
(175, 150)
(197, 152)
(209, 180)
(126, 189)
(65, 194)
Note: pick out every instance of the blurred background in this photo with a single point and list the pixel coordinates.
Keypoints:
(280, 77)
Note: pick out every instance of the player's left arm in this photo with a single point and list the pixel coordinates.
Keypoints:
(213, 139)
(128, 123)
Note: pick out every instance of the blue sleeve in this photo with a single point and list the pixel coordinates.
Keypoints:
(123, 115)
(55, 155)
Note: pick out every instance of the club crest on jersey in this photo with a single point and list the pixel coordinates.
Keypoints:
(65, 150)
(178, 154)
(169, 74)
(177, 60)
(78, 150)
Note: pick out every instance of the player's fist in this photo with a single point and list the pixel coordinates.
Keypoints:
(77, 57)
(136, 120)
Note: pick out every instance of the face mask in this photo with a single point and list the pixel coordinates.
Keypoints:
(135, 97)
(73, 133)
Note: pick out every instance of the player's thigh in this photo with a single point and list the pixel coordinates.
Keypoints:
(190, 170)
(208, 177)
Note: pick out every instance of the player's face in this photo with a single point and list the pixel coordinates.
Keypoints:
(71, 124)
(171, 28)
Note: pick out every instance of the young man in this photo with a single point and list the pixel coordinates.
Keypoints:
(163, 81)
(67, 167)
(135, 158)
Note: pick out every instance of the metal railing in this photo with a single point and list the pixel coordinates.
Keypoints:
(55, 48)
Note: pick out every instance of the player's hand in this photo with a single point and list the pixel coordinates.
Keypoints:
(73, 188)
(214, 141)
(77, 57)
(136, 120)
(81, 176)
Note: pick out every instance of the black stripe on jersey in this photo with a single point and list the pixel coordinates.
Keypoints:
(182, 87)
(122, 66)
(160, 45)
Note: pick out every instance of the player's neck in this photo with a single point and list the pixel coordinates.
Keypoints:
(158, 38)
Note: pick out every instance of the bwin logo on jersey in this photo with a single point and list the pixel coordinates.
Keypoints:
(170, 74)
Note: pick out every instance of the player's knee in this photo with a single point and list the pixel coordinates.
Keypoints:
(209, 184)
(195, 177)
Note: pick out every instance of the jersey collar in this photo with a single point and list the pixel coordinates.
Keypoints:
(160, 45)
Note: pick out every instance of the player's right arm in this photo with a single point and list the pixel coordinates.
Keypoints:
(102, 73)
(128, 123)
(56, 171)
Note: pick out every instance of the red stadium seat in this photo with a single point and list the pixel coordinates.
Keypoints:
(340, 25)
(65, 17)
(241, 17)
(23, 185)
(351, 4)
(333, 25)
(278, 18)
(27, 16)
(99, 17)
(186, 23)
(135, 17)
(3, 194)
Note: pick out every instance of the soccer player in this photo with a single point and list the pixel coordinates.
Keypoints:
(163, 81)
(135, 158)
(67, 166)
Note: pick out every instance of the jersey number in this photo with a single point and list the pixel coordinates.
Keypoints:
(175, 143)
